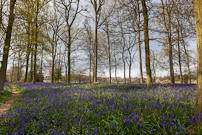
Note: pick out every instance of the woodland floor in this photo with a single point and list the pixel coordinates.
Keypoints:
(6, 106)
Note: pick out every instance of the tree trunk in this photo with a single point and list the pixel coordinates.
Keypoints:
(147, 50)
(90, 66)
(13, 69)
(95, 49)
(41, 75)
(129, 73)
(1, 12)
(36, 42)
(170, 49)
(53, 65)
(198, 20)
(179, 54)
(7, 45)
(139, 47)
(28, 53)
(115, 66)
(31, 69)
(109, 53)
(124, 71)
(187, 58)
(18, 71)
(69, 53)
(66, 73)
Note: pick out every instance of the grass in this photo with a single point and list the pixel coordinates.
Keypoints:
(5, 94)
(102, 109)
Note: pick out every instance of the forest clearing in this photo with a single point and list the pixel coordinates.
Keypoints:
(101, 67)
(102, 109)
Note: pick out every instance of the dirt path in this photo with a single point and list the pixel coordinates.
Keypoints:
(6, 106)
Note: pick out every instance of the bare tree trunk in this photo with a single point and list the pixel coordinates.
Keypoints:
(115, 66)
(90, 66)
(66, 73)
(31, 69)
(187, 59)
(7, 45)
(198, 20)
(130, 73)
(116, 71)
(179, 54)
(147, 50)
(28, 53)
(18, 72)
(69, 53)
(41, 75)
(124, 71)
(1, 12)
(95, 48)
(53, 65)
(13, 69)
(109, 52)
(139, 46)
(140, 57)
(36, 43)
(170, 49)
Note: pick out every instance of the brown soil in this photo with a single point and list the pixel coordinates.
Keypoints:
(6, 106)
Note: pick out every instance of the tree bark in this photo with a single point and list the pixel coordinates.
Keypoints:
(36, 42)
(147, 50)
(7, 45)
(124, 70)
(41, 72)
(1, 12)
(187, 58)
(28, 53)
(198, 20)
(115, 66)
(179, 54)
(31, 69)
(170, 51)
(109, 52)
(12, 69)
(95, 48)
(139, 45)
(69, 53)
(90, 66)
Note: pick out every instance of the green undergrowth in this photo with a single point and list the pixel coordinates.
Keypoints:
(5, 94)
(18, 89)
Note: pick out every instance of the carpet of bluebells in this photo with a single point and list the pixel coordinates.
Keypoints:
(60, 109)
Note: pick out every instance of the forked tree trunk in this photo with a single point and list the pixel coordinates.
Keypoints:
(147, 50)
(7, 45)
(198, 20)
